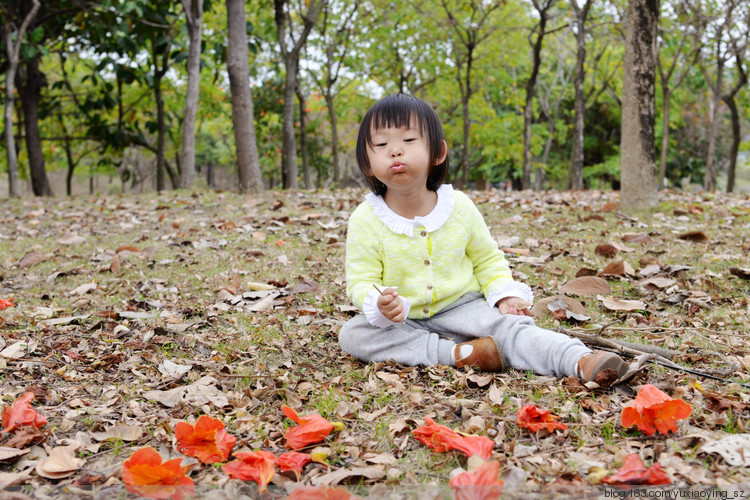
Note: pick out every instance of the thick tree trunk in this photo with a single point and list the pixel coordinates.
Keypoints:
(303, 140)
(194, 14)
(667, 97)
(30, 91)
(334, 138)
(465, 97)
(248, 166)
(575, 174)
(637, 148)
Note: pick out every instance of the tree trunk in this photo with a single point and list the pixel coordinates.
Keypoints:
(194, 14)
(575, 174)
(303, 140)
(29, 91)
(161, 126)
(637, 148)
(334, 138)
(465, 97)
(528, 110)
(13, 53)
(289, 167)
(735, 147)
(709, 179)
(248, 166)
(667, 96)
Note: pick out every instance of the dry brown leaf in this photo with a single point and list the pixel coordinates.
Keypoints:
(31, 258)
(615, 304)
(637, 238)
(60, 463)
(124, 432)
(15, 478)
(587, 286)
(695, 236)
(70, 239)
(570, 306)
(334, 478)
(614, 268)
(114, 266)
(7, 453)
(740, 272)
(656, 283)
(605, 250)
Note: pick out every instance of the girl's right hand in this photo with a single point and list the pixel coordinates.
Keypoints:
(391, 306)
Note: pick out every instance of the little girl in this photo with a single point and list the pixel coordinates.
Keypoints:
(422, 266)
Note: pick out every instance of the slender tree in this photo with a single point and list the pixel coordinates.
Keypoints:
(290, 46)
(13, 49)
(194, 20)
(637, 148)
(682, 60)
(536, 38)
(575, 174)
(729, 99)
(468, 31)
(248, 167)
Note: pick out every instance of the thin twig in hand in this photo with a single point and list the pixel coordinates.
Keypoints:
(378, 289)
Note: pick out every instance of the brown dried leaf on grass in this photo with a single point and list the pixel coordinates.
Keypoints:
(568, 307)
(587, 286)
(615, 304)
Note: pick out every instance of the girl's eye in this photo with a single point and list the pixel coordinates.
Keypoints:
(380, 144)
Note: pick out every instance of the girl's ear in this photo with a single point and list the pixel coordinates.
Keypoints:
(443, 153)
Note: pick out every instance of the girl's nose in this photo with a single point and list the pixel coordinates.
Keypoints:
(396, 152)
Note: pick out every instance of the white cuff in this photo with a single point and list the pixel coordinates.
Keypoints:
(510, 289)
(373, 314)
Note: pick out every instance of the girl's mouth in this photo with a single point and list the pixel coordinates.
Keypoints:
(397, 167)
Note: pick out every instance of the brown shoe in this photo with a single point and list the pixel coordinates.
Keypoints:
(487, 355)
(601, 367)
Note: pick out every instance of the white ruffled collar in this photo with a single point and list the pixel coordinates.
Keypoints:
(401, 225)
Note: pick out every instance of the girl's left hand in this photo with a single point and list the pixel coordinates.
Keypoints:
(509, 305)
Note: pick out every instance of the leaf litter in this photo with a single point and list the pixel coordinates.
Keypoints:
(133, 313)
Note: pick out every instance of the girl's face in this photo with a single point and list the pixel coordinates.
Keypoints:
(400, 157)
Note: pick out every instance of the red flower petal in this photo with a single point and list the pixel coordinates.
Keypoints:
(482, 484)
(258, 466)
(207, 440)
(320, 493)
(293, 460)
(634, 472)
(4, 304)
(145, 474)
(311, 429)
(653, 410)
(440, 438)
(21, 413)
(532, 418)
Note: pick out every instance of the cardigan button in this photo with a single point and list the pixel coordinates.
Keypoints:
(429, 287)
(427, 262)
(423, 233)
(426, 310)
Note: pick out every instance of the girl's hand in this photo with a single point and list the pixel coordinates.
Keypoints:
(510, 305)
(391, 306)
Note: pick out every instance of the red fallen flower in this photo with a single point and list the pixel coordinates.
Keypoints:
(310, 429)
(21, 413)
(293, 460)
(482, 484)
(4, 304)
(144, 474)
(258, 466)
(320, 493)
(634, 472)
(532, 418)
(206, 440)
(653, 410)
(440, 438)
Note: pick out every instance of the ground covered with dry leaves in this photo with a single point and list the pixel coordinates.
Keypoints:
(133, 313)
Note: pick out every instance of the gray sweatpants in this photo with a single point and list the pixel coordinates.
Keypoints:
(430, 341)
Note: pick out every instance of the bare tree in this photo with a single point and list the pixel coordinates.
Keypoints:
(637, 148)
(13, 49)
(194, 19)
(248, 166)
(729, 99)
(539, 30)
(290, 46)
(679, 67)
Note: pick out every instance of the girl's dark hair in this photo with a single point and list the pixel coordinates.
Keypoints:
(397, 110)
